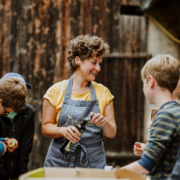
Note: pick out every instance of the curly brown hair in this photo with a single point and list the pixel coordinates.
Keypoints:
(85, 47)
(13, 92)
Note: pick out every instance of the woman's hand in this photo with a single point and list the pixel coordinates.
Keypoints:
(98, 119)
(5, 148)
(10, 149)
(71, 133)
(107, 121)
(138, 148)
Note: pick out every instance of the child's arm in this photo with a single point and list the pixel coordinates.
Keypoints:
(162, 131)
(3, 148)
(136, 167)
(142, 166)
(2, 139)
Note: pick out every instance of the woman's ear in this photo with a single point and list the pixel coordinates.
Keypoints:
(77, 60)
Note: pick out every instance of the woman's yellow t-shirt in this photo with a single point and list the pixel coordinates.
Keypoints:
(55, 95)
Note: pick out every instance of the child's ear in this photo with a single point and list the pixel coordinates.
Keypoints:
(151, 81)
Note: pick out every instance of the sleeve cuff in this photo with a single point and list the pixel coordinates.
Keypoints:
(2, 139)
(1, 148)
(147, 163)
(50, 100)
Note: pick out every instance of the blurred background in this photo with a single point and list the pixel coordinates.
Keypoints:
(34, 35)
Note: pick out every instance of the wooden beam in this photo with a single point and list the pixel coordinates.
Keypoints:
(123, 56)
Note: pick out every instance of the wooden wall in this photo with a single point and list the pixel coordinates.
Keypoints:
(131, 2)
(33, 42)
(121, 74)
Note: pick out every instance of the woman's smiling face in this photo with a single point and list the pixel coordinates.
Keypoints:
(89, 68)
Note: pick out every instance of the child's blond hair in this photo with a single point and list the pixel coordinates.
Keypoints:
(165, 69)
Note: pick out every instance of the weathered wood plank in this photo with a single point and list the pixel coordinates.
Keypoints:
(6, 19)
(87, 16)
(1, 34)
(130, 2)
(124, 2)
(14, 35)
(127, 34)
(76, 16)
(116, 26)
(39, 74)
(95, 17)
(143, 36)
(108, 23)
(63, 73)
(58, 6)
(133, 35)
(22, 37)
(101, 16)
(134, 2)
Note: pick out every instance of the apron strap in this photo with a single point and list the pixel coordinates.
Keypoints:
(69, 89)
(93, 93)
(72, 155)
(84, 154)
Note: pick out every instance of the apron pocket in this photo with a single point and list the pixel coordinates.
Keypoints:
(97, 158)
(56, 157)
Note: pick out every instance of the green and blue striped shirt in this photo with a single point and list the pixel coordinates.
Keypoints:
(161, 150)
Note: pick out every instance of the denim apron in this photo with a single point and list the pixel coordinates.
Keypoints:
(89, 151)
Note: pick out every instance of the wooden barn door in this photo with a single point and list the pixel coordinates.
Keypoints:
(121, 74)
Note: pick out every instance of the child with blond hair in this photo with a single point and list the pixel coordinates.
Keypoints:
(160, 77)
(139, 147)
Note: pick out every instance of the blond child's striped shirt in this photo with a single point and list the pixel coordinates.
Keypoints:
(161, 150)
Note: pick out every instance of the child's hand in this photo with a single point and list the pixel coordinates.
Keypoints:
(5, 148)
(98, 119)
(138, 148)
(6, 141)
(11, 149)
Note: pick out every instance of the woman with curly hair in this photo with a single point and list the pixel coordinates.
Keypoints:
(67, 102)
